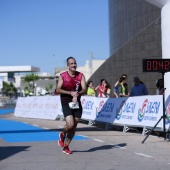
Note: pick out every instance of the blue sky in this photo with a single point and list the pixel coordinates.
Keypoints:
(44, 33)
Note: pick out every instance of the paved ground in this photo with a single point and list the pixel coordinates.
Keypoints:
(104, 150)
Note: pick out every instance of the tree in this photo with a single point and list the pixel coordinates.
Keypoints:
(49, 87)
(31, 79)
(9, 89)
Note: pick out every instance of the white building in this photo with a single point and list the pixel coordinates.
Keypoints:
(16, 79)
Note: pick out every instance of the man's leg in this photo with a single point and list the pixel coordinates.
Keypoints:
(72, 131)
(71, 124)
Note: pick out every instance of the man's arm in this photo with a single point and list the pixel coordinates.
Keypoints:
(59, 85)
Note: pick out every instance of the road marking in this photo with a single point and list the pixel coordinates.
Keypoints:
(120, 147)
(117, 146)
(25, 122)
(35, 125)
(98, 140)
(83, 136)
(60, 127)
(168, 163)
(46, 128)
(142, 154)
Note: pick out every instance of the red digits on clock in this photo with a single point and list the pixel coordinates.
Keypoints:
(166, 65)
(161, 65)
(155, 65)
(148, 65)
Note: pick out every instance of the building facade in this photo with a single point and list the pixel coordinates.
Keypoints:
(135, 34)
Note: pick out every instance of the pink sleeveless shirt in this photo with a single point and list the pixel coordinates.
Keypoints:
(70, 84)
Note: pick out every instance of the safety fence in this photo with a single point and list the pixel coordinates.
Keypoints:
(144, 111)
(7, 101)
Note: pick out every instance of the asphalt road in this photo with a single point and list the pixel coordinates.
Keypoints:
(93, 149)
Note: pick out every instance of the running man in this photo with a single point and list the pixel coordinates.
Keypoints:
(71, 85)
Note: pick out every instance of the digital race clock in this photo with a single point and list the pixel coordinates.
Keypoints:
(156, 65)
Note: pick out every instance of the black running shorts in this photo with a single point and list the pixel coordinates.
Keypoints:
(75, 112)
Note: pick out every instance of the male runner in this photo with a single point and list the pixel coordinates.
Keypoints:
(71, 85)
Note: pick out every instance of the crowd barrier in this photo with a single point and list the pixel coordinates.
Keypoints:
(143, 111)
(6, 101)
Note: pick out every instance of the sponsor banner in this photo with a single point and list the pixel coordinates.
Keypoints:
(167, 113)
(105, 109)
(125, 110)
(89, 108)
(140, 111)
(44, 107)
(59, 109)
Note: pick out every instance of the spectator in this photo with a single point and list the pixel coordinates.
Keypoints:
(117, 87)
(90, 89)
(123, 88)
(139, 89)
(103, 88)
(160, 87)
(27, 92)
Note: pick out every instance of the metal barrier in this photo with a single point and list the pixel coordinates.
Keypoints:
(6, 101)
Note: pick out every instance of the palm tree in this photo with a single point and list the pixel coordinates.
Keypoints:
(47, 88)
(9, 89)
(31, 79)
(50, 86)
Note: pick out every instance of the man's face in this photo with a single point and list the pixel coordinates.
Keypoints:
(72, 65)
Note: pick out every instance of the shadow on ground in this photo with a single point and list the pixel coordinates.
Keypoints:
(6, 152)
(103, 147)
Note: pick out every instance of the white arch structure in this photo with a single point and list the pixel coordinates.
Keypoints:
(165, 28)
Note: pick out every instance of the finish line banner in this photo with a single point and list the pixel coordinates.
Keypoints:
(42, 107)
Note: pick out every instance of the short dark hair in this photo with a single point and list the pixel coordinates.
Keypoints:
(160, 83)
(88, 83)
(121, 79)
(124, 76)
(69, 59)
(136, 79)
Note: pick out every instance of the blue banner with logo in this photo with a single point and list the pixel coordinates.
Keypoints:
(167, 113)
(105, 109)
(138, 111)
(89, 107)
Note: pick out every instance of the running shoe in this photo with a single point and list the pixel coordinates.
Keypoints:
(66, 150)
(61, 139)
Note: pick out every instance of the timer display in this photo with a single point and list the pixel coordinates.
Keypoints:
(156, 65)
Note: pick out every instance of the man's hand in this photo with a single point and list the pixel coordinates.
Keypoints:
(74, 100)
(74, 93)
